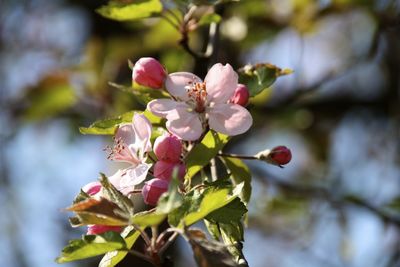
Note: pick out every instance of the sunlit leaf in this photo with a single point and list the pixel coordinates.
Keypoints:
(197, 206)
(137, 10)
(112, 258)
(109, 126)
(209, 18)
(203, 152)
(148, 218)
(232, 212)
(259, 77)
(91, 245)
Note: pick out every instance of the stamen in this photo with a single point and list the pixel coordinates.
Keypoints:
(198, 94)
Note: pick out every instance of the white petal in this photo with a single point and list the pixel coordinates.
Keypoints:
(187, 126)
(134, 176)
(142, 129)
(161, 107)
(221, 82)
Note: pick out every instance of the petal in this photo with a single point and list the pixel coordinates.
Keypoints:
(142, 129)
(177, 82)
(230, 119)
(161, 107)
(126, 133)
(133, 176)
(221, 82)
(187, 126)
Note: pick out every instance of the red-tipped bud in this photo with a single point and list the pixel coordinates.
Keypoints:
(165, 169)
(281, 155)
(149, 72)
(153, 189)
(97, 229)
(168, 148)
(92, 188)
(241, 95)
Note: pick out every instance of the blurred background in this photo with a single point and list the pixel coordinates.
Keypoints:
(336, 204)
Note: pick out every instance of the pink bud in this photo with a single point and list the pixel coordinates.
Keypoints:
(241, 95)
(92, 188)
(280, 155)
(153, 189)
(97, 229)
(164, 170)
(168, 148)
(149, 72)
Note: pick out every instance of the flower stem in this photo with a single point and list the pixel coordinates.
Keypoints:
(237, 156)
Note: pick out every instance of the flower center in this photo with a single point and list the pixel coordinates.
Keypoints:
(120, 152)
(198, 95)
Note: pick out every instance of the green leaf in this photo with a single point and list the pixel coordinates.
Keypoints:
(172, 199)
(209, 18)
(107, 126)
(148, 218)
(197, 206)
(140, 9)
(209, 253)
(232, 235)
(259, 77)
(112, 258)
(232, 212)
(91, 245)
(239, 173)
(203, 152)
(141, 93)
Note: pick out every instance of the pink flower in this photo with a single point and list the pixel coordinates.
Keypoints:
(149, 72)
(164, 170)
(96, 229)
(200, 103)
(168, 148)
(280, 155)
(153, 189)
(92, 188)
(241, 95)
(131, 143)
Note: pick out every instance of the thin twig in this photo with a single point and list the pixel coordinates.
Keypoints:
(143, 234)
(213, 169)
(168, 243)
(237, 156)
(140, 255)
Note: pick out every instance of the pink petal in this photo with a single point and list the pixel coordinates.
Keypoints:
(177, 82)
(161, 107)
(187, 126)
(221, 82)
(230, 119)
(142, 129)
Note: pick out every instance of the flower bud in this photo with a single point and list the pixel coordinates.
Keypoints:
(92, 188)
(97, 229)
(153, 189)
(168, 148)
(279, 155)
(241, 95)
(149, 72)
(164, 170)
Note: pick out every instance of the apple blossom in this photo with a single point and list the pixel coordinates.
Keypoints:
(281, 155)
(153, 189)
(131, 143)
(149, 72)
(200, 103)
(168, 148)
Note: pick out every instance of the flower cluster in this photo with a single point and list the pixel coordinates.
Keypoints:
(217, 102)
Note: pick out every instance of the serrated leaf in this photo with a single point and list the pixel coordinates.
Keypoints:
(209, 18)
(141, 93)
(132, 11)
(260, 76)
(123, 202)
(209, 253)
(107, 126)
(240, 173)
(232, 235)
(91, 245)
(98, 211)
(197, 206)
(232, 212)
(203, 152)
(112, 258)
